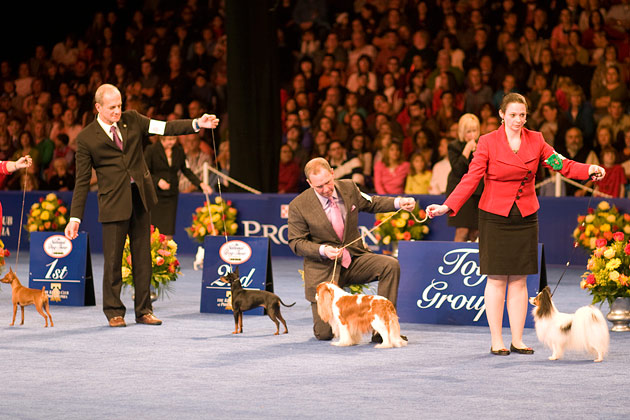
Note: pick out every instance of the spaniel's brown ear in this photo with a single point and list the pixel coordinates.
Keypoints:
(324, 302)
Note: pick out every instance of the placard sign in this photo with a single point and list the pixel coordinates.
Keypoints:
(63, 266)
(440, 283)
(252, 256)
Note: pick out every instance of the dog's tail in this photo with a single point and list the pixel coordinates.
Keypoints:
(590, 330)
(284, 304)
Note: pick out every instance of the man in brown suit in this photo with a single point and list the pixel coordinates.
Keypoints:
(112, 145)
(312, 235)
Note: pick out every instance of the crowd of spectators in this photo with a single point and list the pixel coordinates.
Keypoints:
(378, 86)
(374, 86)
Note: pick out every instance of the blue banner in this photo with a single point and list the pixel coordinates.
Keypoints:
(266, 215)
(440, 284)
(63, 266)
(251, 255)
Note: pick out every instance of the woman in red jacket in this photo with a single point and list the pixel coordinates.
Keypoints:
(7, 167)
(507, 159)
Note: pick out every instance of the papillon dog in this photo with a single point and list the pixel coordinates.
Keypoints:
(584, 331)
(352, 316)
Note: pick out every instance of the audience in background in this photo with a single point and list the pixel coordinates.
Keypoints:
(354, 73)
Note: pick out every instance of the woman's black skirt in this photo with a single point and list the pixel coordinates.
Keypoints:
(508, 245)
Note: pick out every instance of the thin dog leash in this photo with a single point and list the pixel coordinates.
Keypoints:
(575, 245)
(17, 252)
(225, 234)
(372, 230)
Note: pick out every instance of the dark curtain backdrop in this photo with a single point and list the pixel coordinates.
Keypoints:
(253, 94)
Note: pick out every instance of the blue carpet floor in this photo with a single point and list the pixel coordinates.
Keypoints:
(193, 367)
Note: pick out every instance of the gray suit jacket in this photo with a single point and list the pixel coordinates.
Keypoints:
(309, 227)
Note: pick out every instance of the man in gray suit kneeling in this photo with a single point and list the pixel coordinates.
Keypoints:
(322, 220)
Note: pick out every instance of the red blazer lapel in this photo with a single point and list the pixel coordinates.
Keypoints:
(504, 152)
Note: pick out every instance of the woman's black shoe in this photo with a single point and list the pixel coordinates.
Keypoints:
(500, 352)
(526, 350)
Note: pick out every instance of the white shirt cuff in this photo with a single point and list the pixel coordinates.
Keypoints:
(75, 219)
(195, 125)
(397, 202)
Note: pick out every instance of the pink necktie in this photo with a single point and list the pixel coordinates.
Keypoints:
(115, 137)
(337, 222)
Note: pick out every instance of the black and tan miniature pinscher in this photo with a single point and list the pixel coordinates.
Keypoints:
(244, 300)
(24, 296)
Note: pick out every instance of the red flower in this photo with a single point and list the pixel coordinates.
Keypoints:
(601, 242)
(422, 214)
(152, 229)
(41, 199)
(378, 222)
(627, 249)
(59, 201)
(162, 237)
(582, 228)
(176, 263)
(590, 279)
(7, 253)
(406, 236)
(159, 260)
(619, 236)
(229, 202)
(392, 222)
(410, 222)
(626, 217)
(590, 210)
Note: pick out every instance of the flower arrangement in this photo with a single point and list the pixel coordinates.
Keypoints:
(609, 270)
(222, 220)
(601, 223)
(164, 262)
(401, 227)
(48, 215)
(3, 253)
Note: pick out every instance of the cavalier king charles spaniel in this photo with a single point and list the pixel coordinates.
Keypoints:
(352, 316)
(584, 331)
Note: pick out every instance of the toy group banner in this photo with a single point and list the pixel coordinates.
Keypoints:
(63, 266)
(252, 256)
(440, 284)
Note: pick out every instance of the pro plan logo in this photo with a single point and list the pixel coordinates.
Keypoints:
(235, 252)
(57, 246)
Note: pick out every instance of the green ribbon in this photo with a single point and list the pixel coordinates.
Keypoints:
(555, 161)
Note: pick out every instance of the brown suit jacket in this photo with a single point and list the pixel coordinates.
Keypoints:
(115, 168)
(309, 227)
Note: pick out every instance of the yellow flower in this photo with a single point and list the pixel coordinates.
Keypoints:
(404, 215)
(589, 218)
(387, 240)
(401, 223)
(36, 212)
(611, 218)
(51, 197)
(425, 229)
(609, 253)
(614, 275)
(172, 245)
(626, 229)
(603, 205)
(613, 264)
(34, 206)
(62, 220)
(591, 243)
(233, 227)
(605, 227)
(126, 272)
(32, 228)
(216, 217)
(576, 232)
(201, 231)
(217, 200)
(45, 215)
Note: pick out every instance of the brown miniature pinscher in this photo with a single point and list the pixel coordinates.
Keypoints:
(24, 296)
(244, 300)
